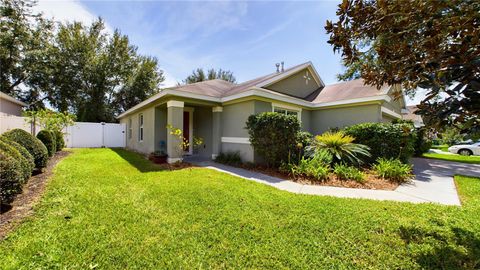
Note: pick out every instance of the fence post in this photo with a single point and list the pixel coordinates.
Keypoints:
(103, 134)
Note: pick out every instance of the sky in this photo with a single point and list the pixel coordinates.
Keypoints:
(247, 38)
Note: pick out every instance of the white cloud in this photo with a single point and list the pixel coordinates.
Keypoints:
(67, 11)
(203, 19)
(169, 81)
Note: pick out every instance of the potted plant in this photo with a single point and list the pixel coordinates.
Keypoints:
(158, 157)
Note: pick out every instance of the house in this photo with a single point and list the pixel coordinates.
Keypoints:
(409, 114)
(10, 105)
(217, 111)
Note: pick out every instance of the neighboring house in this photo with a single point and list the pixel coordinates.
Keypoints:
(10, 105)
(409, 114)
(217, 110)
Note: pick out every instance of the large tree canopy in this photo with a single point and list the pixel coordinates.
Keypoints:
(420, 44)
(24, 39)
(199, 75)
(76, 68)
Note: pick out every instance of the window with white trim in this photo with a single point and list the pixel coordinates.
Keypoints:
(287, 111)
(140, 127)
(129, 128)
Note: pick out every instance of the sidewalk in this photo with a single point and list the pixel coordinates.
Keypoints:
(433, 183)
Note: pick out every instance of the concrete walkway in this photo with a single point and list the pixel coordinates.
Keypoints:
(433, 182)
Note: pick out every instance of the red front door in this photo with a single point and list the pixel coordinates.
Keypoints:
(186, 128)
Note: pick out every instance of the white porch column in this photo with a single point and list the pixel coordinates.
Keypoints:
(217, 131)
(175, 119)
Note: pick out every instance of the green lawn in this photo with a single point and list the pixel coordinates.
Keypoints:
(457, 158)
(111, 209)
(443, 147)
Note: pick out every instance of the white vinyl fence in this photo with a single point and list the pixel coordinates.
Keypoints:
(84, 135)
(80, 135)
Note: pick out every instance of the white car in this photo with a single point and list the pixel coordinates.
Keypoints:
(465, 149)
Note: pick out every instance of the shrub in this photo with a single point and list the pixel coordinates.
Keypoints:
(316, 167)
(229, 158)
(393, 169)
(24, 152)
(345, 172)
(48, 139)
(422, 142)
(10, 178)
(273, 136)
(33, 145)
(22, 163)
(60, 142)
(340, 146)
(385, 140)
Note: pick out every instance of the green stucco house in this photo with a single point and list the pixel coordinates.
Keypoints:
(216, 110)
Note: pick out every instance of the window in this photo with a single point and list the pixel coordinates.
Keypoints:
(140, 127)
(130, 128)
(286, 110)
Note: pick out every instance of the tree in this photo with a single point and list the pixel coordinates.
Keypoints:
(96, 75)
(70, 66)
(24, 38)
(428, 44)
(50, 120)
(140, 85)
(199, 75)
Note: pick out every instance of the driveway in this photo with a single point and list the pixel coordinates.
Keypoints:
(433, 182)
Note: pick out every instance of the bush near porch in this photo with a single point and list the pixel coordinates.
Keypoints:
(275, 137)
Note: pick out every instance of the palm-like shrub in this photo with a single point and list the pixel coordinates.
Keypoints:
(345, 172)
(393, 170)
(340, 146)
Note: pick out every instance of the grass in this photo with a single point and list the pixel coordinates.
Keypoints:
(111, 209)
(443, 147)
(454, 157)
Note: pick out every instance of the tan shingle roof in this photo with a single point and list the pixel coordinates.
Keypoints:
(346, 90)
(220, 88)
(213, 88)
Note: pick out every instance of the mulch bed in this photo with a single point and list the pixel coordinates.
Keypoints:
(174, 166)
(372, 181)
(23, 204)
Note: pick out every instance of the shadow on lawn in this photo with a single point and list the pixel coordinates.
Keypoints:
(144, 165)
(443, 248)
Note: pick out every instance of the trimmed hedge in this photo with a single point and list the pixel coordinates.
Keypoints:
(48, 139)
(60, 142)
(24, 152)
(385, 140)
(23, 164)
(273, 136)
(33, 145)
(10, 178)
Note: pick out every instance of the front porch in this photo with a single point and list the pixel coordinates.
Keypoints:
(196, 121)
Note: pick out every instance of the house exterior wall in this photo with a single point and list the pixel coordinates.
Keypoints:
(394, 105)
(160, 133)
(202, 128)
(10, 108)
(295, 85)
(234, 117)
(322, 120)
(306, 119)
(147, 145)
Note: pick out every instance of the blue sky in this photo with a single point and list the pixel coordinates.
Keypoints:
(247, 38)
